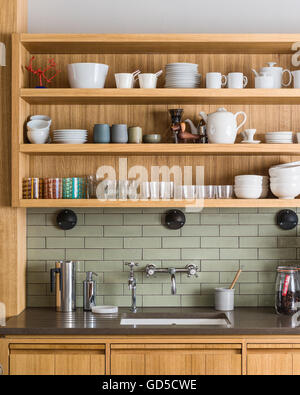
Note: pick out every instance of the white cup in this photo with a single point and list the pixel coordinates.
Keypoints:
(124, 80)
(296, 75)
(224, 299)
(148, 81)
(237, 81)
(38, 125)
(215, 80)
(248, 134)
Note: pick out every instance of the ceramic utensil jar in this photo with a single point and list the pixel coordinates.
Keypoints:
(222, 126)
(278, 75)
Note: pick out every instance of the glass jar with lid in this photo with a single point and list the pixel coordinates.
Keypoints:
(287, 292)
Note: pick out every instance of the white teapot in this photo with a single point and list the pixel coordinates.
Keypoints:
(277, 73)
(222, 126)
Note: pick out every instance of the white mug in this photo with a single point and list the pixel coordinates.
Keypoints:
(124, 80)
(215, 80)
(296, 75)
(148, 81)
(237, 81)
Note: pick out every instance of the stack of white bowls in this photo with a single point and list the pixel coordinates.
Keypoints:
(251, 187)
(279, 137)
(182, 75)
(285, 180)
(38, 129)
(70, 136)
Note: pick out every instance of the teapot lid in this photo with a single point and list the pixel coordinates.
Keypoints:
(221, 109)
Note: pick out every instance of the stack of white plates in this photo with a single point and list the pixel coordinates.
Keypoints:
(70, 136)
(279, 137)
(285, 180)
(182, 75)
(251, 187)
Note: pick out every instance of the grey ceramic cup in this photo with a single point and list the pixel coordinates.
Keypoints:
(119, 134)
(102, 133)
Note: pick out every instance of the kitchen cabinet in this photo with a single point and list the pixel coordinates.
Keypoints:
(273, 359)
(61, 359)
(186, 359)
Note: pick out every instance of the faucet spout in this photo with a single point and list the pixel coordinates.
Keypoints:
(173, 287)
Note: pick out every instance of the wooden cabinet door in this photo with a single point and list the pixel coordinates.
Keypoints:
(52, 359)
(270, 359)
(172, 359)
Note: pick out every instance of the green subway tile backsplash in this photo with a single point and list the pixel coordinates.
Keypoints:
(218, 241)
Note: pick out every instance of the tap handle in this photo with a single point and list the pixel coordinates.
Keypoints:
(131, 264)
(192, 270)
(150, 270)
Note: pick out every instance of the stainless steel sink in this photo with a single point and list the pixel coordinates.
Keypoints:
(217, 319)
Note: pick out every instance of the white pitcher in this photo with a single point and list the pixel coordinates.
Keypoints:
(277, 73)
(222, 126)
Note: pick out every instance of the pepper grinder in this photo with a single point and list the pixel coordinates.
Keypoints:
(89, 291)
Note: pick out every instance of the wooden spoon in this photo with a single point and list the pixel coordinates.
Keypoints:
(235, 279)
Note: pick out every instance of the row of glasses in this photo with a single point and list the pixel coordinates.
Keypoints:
(55, 188)
(125, 189)
(203, 192)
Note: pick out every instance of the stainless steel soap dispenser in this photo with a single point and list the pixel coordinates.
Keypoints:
(89, 291)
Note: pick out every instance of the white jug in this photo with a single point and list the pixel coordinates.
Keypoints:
(222, 126)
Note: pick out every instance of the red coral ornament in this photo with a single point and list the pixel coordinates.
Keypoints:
(42, 73)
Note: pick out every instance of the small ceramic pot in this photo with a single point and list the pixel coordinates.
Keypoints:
(119, 134)
(102, 133)
(135, 135)
(152, 138)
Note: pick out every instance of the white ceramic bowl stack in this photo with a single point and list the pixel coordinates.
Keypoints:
(285, 180)
(70, 136)
(279, 137)
(182, 75)
(251, 187)
(38, 129)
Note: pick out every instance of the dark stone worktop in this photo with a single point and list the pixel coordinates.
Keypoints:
(244, 321)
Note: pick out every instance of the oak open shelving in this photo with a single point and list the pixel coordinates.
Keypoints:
(267, 109)
(215, 203)
(159, 149)
(161, 96)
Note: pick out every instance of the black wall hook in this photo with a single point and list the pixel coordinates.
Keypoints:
(287, 219)
(175, 219)
(66, 220)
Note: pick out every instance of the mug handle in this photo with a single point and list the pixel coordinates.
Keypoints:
(224, 83)
(245, 83)
(290, 79)
(243, 122)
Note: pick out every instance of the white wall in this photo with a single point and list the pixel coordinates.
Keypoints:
(164, 16)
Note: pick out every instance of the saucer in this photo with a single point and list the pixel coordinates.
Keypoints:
(251, 141)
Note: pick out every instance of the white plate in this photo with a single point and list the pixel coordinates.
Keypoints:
(251, 142)
(105, 309)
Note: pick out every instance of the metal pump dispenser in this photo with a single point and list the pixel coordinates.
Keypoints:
(89, 291)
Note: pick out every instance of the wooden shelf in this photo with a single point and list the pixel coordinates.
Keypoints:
(160, 149)
(161, 96)
(158, 43)
(160, 204)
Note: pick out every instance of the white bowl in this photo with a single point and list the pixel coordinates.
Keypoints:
(38, 136)
(284, 171)
(87, 75)
(285, 179)
(285, 190)
(289, 164)
(249, 192)
(38, 125)
(41, 118)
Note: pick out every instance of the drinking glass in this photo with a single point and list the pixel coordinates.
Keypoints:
(154, 190)
(123, 187)
(74, 188)
(145, 191)
(133, 190)
(166, 190)
(92, 184)
(209, 192)
(53, 188)
(224, 191)
(33, 188)
(189, 192)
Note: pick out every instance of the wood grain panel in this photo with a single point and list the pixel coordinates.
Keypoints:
(13, 18)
